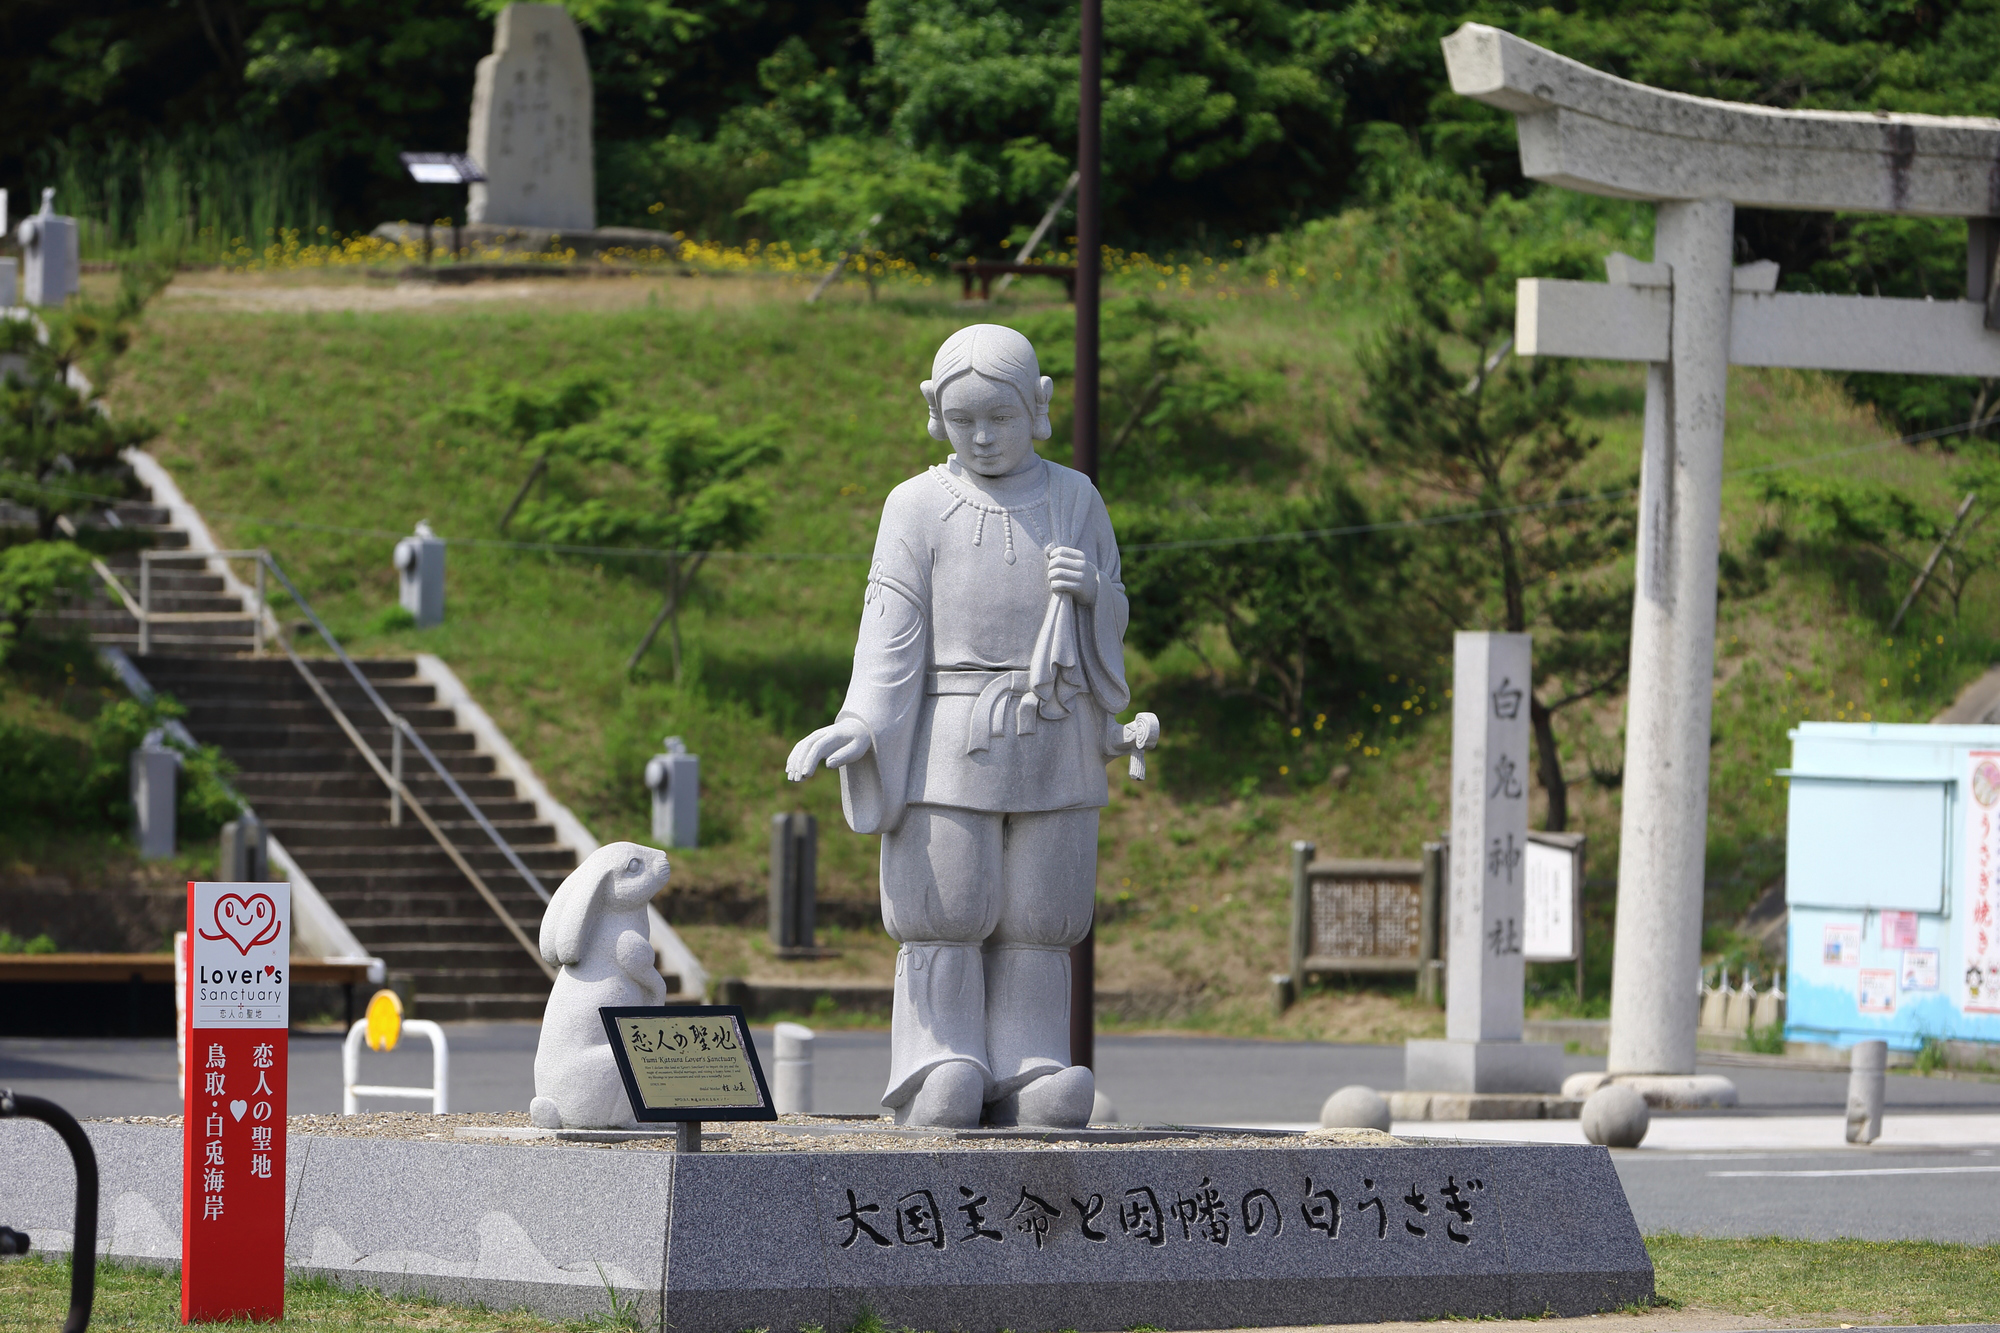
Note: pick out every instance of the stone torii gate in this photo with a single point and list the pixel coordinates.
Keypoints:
(1690, 314)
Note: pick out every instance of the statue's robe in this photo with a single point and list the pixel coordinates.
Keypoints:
(979, 687)
(984, 691)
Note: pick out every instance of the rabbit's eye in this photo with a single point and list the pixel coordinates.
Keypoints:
(632, 866)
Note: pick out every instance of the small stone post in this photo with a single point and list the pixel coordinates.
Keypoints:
(246, 851)
(794, 883)
(675, 781)
(792, 1075)
(1868, 1065)
(420, 576)
(155, 769)
(1486, 973)
(51, 264)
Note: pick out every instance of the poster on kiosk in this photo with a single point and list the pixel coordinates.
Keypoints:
(233, 1149)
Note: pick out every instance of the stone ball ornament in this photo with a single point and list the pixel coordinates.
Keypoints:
(1616, 1116)
(1355, 1107)
(989, 676)
(596, 931)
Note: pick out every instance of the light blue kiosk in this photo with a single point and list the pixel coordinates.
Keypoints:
(1892, 879)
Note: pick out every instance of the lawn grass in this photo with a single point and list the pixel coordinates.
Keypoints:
(326, 432)
(1851, 1281)
(1831, 1281)
(34, 1294)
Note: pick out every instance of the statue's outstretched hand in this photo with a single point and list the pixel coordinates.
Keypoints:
(836, 746)
(1070, 571)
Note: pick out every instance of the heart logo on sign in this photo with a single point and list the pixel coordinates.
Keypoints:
(245, 922)
(237, 1108)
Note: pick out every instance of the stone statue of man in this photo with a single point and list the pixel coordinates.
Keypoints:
(983, 708)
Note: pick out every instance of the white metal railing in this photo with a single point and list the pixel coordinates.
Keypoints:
(140, 608)
(352, 1092)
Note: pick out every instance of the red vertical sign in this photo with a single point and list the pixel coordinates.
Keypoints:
(233, 1144)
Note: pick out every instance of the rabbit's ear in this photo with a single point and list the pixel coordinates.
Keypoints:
(570, 913)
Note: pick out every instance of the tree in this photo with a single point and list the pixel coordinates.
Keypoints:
(536, 419)
(60, 451)
(678, 485)
(1469, 431)
(1937, 552)
(907, 201)
(1303, 608)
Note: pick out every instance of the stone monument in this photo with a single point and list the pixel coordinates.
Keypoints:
(988, 677)
(1486, 969)
(596, 930)
(531, 116)
(1690, 314)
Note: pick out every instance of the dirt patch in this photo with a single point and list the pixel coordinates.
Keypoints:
(323, 291)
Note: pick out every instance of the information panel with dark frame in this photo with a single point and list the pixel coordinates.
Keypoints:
(684, 1062)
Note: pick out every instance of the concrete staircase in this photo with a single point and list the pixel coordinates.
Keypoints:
(393, 885)
(179, 584)
(395, 888)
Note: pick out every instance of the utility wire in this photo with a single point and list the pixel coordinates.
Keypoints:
(1254, 539)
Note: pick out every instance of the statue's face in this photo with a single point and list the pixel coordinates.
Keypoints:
(988, 425)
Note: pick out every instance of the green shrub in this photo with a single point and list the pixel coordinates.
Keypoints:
(61, 783)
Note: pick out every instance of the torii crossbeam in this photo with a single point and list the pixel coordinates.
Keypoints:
(1689, 315)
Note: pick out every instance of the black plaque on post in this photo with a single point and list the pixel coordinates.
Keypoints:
(688, 1063)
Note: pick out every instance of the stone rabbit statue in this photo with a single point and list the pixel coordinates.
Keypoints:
(595, 929)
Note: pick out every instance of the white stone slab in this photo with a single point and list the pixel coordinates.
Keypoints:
(1797, 330)
(1607, 320)
(1600, 134)
(531, 121)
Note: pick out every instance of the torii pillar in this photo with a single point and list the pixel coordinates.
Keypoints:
(1689, 315)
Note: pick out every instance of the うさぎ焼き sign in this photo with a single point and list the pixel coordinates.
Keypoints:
(688, 1062)
(238, 1004)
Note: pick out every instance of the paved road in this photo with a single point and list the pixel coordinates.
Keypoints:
(1939, 1193)
(1935, 1195)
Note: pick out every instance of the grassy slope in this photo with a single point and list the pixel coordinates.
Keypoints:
(1797, 1282)
(335, 418)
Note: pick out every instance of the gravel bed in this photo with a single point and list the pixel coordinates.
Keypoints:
(792, 1133)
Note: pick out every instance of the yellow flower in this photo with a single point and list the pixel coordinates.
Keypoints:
(1284, 770)
(1295, 731)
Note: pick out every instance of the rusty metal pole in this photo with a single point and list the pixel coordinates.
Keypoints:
(1083, 447)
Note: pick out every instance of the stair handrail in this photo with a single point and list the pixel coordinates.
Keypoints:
(395, 785)
(394, 720)
(400, 726)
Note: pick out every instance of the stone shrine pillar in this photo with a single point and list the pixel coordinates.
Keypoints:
(531, 119)
(1661, 851)
(1486, 971)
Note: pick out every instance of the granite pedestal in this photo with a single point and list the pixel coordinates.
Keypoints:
(954, 1233)
(1483, 1066)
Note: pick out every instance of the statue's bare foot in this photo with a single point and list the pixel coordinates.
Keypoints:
(949, 1099)
(1061, 1100)
(542, 1112)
